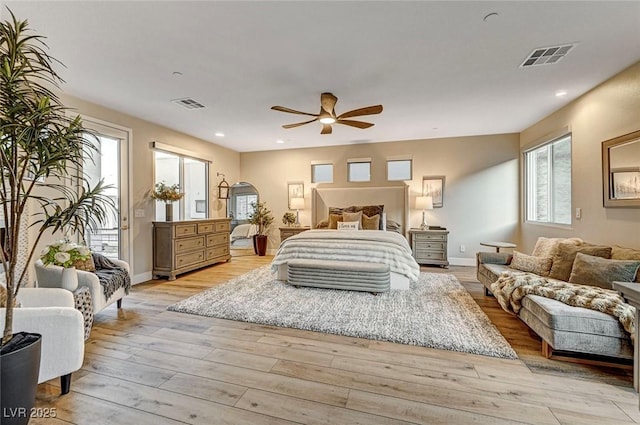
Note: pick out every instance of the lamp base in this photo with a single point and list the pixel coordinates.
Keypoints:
(424, 225)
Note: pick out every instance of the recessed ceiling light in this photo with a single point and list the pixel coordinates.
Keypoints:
(219, 134)
(280, 141)
(561, 93)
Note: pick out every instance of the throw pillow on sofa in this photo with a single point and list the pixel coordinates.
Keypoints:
(548, 247)
(597, 271)
(622, 253)
(566, 254)
(528, 263)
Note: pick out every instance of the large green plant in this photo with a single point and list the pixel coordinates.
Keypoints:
(261, 216)
(41, 151)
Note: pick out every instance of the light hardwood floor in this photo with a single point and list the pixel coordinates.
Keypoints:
(146, 365)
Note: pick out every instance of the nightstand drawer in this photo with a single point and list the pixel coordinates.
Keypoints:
(418, 237)
(430, 246)
(189, 243)
(430, 255)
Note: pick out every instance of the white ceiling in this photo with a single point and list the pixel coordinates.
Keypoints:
(437, 67)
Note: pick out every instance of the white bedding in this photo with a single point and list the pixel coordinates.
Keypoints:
(373, 246)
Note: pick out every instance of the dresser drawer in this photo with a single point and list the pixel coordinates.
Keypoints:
(217, 239)
(430, 255)
(430, 246)
(418, 237)
(188, 244)
(217, 251)
(222, 226)
(184, 260)
(206, 228)
(185, 230)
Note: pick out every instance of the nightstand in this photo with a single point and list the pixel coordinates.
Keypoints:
(287, 232)
(429, 246)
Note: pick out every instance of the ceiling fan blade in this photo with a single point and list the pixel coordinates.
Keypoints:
(292, 111)
(326, 129)
(328, 102)
(368, 110)
(359, 124)
(298, 124)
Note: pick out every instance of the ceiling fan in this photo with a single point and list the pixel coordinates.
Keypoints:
(327, 115)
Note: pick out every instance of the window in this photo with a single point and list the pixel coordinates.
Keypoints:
(548, 182)
(359, 170)
(193, 177)
(321, 173)
(243, 206)
(399, 169)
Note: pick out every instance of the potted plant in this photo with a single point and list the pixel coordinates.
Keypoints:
(168, 195)
(41, 149)
(261, 216)
(289, 218)
(66, 254)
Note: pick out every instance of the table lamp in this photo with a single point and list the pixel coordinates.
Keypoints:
(297, 204)
(424, 203)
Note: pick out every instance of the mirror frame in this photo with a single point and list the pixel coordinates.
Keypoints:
(608, 201)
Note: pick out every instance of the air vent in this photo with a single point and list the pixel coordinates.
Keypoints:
(188, 103)
(546, 55)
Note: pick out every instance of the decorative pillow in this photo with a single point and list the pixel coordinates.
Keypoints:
(371, 223)
(86, 265)
(596, 271)
(336, 210)
(348, 225)
(333, 220)
(622, 253)
(567, 251)
(548, 247)
(322, 224)
(352, 216)
(394, 226)
(528, 263)
(369, 210)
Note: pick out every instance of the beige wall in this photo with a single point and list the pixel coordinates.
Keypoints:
(144, 132)
(609, 110)
(480, 195)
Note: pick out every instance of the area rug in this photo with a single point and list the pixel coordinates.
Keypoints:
(435, 312)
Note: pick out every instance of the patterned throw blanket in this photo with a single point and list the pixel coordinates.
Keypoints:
(512, 287)
(112, 277)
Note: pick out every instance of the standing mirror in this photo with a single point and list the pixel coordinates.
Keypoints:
(241, 196)
(621, 171)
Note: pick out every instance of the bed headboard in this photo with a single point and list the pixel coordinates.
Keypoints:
(394, 198)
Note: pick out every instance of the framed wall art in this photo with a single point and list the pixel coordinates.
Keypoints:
(295, 190)
(434, 186)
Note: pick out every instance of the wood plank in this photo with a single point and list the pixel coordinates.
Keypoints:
(121, 369)
(207, 389)
(307, 412)
(570, 417)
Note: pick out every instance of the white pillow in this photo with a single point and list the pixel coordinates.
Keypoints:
(348, 225)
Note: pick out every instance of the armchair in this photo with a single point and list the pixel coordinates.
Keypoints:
(51, 313)
(51, 276)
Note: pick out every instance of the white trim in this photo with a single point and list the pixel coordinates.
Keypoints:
(460, 261)
(322, 162)
(357, 160)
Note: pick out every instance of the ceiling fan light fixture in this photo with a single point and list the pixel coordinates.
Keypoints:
(327, 120)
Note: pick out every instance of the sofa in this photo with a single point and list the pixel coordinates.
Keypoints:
(564, 329)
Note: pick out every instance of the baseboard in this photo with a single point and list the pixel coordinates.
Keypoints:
(141, 278)
(458, 261)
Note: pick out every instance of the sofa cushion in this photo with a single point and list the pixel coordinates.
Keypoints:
(559, 316)
(621, 253)
(566, 254)
(547, 247)
(602, 272)
(493, 271)
(528, 263)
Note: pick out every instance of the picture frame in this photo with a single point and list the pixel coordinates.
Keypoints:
(294, 190)
(625, 183)
(620, 166)
(434, 186)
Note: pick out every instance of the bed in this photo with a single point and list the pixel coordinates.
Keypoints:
(242, 236)
(357, 247)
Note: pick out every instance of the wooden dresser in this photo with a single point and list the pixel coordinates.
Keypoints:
(429, 246)
(182, 246)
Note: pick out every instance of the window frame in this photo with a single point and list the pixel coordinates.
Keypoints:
(529, 182)
(321, 163)
(351, 162)
(409, 160)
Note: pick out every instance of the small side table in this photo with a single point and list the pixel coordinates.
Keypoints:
(498, 245)
(287, 232)
(630, 291)
(429, 246)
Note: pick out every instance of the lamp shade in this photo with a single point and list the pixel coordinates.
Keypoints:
(424, 203)
(297, 203)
